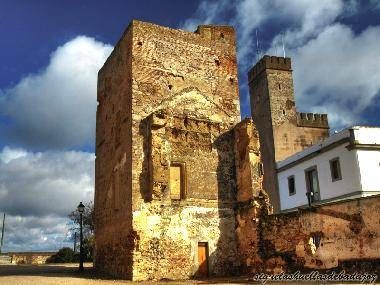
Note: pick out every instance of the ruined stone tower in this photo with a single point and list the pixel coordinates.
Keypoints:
(282, 130)
(165, 154)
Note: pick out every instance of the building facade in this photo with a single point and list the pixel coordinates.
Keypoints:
(343, 166)
(178, 176)
(166, 170)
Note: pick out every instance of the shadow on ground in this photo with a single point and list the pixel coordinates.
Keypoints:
(49, 270)
(71, 271)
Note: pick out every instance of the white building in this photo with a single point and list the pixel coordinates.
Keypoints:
(345, 165)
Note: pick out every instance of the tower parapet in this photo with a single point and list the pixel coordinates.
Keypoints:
(225, 34)
(270, 62)
(312, 120)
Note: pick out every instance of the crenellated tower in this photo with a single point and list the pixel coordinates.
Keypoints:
(283, 131)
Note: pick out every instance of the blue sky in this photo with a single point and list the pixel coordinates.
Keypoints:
(51, 51)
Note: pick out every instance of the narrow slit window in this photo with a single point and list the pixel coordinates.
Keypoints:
(260, 169)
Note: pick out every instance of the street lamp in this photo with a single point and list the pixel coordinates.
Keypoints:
(81, 210)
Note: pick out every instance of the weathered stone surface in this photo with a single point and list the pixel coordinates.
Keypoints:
(339, 235)
(248, 161)
(167, 97)
(29, 257)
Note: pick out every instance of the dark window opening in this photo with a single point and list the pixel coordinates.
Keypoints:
(283, 112)
(312, 184)
(279, 86)
(260, 169)
(217, 62)
(291, 185)
(335, 170)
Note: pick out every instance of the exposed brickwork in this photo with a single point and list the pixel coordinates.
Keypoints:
(282, 130)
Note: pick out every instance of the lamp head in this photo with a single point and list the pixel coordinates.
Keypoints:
(81, 207)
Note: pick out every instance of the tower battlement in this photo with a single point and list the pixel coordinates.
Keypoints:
(269, 62)
(312, 120)
(214, 33)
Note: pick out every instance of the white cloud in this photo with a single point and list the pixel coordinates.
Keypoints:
(56, 107)
(308, 18)
(9, 154)
(39, 184)
(207, 12)
(340, 70)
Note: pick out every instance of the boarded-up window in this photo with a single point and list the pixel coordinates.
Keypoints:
(176, 181)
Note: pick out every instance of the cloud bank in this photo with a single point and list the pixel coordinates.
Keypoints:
(38, 191)
(47, 114)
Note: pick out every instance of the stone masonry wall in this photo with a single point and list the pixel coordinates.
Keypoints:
(30, 257)
(249, 172)
(342, 235)
(192, 78)
(169, 230)
(166, 96)
(114, 235)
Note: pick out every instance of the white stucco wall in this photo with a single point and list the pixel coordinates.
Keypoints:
(367, 135)
(350, 177)
(369, 163)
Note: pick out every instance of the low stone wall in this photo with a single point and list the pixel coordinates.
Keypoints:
(30, 257)
(341, 235)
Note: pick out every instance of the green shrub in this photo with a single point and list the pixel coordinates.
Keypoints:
(64, 255)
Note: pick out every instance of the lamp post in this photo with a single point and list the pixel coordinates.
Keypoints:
(81, 210)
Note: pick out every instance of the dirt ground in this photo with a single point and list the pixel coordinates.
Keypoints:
(67, 274)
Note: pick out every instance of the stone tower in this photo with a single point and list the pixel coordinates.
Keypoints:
(282, 130)
(165, 183)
